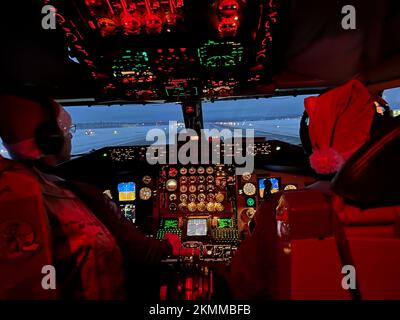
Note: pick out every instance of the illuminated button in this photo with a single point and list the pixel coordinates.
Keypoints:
(250, 202)
(192, 179)
(246, 176)
(201, 197)
(192, 188)
(172, 172)
(192, 207)
(201, 206)
(183, 180)
(183, 188)
(192, 197)
(183, 197)
(219, 197)
(146, 179)
(171, 185)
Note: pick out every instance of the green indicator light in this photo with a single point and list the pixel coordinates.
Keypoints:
(104, 154)
(250, 202)
(128, 51)
(126, 57)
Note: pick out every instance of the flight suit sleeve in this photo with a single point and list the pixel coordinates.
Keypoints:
(135, 246)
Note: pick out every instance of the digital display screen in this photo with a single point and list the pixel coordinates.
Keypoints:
(127, 191)
(129, 211)
(273, 185)
(170, 224)
(224, 223)
(196, 227)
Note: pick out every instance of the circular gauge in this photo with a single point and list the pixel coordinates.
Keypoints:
(183, 180)
(183, 197)
(200, 170)
(192, 188)
(251, 212)
(201, 188)
(146, 179)
(171, 185)
(210, 197)
(201, 179)
(201, 197)
(183, 188)
(192, 198)
(246, 176)
(192, 170)
(210, 188)
(209, 170)
(211, 207)
(183, 171)
(249, 189)
(145, 193)
(172, 207)
(290, 187)
(192, 207)
(219, 197)
(182, 206)
(210, 179)
(201, 206)
(192, 179)
(173, 197)
(219, 207)
(172, 172)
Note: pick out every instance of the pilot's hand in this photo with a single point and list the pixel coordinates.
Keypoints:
(177, 249)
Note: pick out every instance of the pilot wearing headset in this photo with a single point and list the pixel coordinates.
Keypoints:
(92, 243)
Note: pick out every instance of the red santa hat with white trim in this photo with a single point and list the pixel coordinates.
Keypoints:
(339, 123)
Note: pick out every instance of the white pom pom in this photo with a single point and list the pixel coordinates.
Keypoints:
(326, 161)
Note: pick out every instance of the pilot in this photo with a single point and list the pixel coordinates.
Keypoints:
(92, 243)
(340, 122)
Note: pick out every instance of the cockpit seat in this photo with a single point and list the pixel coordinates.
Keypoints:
(357, 225)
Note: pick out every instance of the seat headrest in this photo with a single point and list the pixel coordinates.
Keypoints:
(371, 176)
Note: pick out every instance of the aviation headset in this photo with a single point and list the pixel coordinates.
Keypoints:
(49, 137)
(376, 122)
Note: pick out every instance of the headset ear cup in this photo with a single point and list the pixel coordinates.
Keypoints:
(49, 138)
(304, 135)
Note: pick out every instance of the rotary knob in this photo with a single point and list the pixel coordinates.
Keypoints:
(219, 197)
(192, 207)
(201, 206)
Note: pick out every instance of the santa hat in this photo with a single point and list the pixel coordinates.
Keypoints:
(339, 123)
(19, 119)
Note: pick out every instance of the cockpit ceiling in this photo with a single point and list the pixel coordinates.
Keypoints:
(172, 50)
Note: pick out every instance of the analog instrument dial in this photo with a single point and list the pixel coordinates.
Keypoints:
(210, 170)
(146, 179)
(249, 189)
(183, 171)
(145, 193)
(183, 188)
(192, 207)
(183, 197)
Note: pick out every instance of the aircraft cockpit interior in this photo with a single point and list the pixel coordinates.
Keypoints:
(255, 141)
